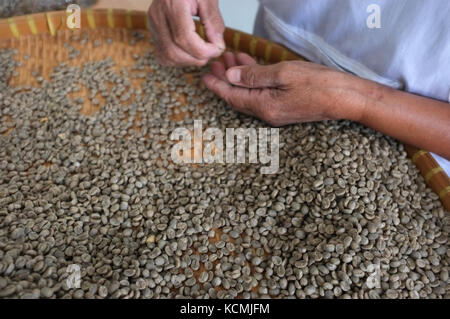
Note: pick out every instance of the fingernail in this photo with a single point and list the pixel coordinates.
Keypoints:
(234, 75)
(220, 41)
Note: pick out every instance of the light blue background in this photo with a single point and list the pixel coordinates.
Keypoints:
(239, 14)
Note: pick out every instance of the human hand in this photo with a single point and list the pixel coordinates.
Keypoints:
(173, 29)
(284, 93)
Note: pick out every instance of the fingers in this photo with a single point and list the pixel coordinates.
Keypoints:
(184, 35)
(253, 102)
(240, 99)
(212, 20)
(258, 102)
(218, 70)
(239, 59)
(169, 54)
(258, 76)
(250, 102)
(229, 60)
(245, 59)
(173, 28)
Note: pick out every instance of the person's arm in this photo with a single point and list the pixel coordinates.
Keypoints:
(295, 92)
(413, 119)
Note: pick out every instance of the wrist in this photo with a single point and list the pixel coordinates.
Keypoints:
(351, 97)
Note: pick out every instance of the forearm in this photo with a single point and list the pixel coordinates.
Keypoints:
(412, 119)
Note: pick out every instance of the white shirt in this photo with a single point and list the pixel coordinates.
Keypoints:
(410, 50)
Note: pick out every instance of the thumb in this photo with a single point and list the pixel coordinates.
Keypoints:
(211, 18)
(255, 76)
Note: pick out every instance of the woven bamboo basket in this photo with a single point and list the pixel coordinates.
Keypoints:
(41, 36)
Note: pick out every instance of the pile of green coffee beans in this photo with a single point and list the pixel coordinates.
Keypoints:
(9, 8)
(94, 206)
